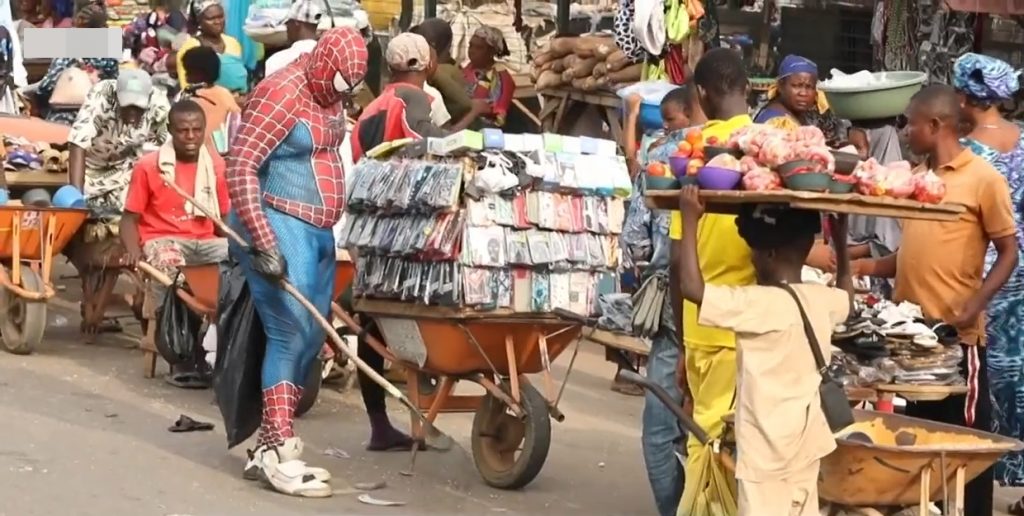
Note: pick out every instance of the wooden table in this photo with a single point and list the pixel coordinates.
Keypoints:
(35, 179)
(557, 102)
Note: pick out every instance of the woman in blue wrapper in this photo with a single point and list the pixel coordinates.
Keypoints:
(984, 83)
(794, 101)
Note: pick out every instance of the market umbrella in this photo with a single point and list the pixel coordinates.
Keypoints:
(34, 129)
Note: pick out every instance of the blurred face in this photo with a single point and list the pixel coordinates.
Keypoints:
(673, 116)
(212, 21)
(131, 115)
(481, 55)
(187, 132)
(922, 130)
(799, 92)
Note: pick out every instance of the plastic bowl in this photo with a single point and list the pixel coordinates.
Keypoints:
(662, 183)
(839, 187)
(68, 196)
(887, 98)
(37, 197)
(650, 117)
(715, 178)
(808, 182)
(799, 166)
(845, 162)
(712, 151)
(687, 180)
(678, 165)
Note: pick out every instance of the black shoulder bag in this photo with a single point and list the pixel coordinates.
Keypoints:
(834, 402)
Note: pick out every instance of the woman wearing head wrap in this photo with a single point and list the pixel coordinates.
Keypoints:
(484, 78)
(208, 23)
(91, 16)
(794, 100)
(983, 83)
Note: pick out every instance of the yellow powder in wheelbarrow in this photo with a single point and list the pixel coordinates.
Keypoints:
(918, 437)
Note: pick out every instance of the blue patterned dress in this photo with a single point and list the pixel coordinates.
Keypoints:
(1005, 316)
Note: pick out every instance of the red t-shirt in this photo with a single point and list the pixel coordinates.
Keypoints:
(161, 210)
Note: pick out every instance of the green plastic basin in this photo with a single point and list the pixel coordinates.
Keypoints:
(883, 100)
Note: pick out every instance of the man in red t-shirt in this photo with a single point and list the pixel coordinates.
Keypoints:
(163, 229)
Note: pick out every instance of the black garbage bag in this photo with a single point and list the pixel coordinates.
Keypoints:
(241, 344)
(177, 328)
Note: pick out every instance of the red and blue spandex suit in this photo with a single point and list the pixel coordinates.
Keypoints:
(287, 190)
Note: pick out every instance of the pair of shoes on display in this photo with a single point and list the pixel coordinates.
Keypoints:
(280, 467)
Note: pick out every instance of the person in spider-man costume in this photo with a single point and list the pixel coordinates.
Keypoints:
(286, 185)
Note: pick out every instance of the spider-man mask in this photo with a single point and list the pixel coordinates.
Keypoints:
(336, 65)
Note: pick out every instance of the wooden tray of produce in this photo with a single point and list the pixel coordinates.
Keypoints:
(726, 201)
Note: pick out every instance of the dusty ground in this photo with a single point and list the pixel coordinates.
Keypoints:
(85, 434)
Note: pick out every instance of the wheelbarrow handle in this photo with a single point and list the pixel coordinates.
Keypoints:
(658, 391)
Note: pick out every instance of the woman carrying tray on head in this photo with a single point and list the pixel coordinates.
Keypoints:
(794, 100)
(983, 83)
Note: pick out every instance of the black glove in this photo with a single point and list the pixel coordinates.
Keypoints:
(270, 263)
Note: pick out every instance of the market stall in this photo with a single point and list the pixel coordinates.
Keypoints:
(467, 256)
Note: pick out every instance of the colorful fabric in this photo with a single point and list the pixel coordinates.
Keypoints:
(286, 150)
(494, 85)
(1004, 331)
(984, 77)
(231, 48)
(793, 64)
(305, 11)
(233, 74)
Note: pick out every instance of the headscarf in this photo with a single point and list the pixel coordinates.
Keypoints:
(792, 65)
(200, 6)
(338, 60)
(494, 39)
(985, 78)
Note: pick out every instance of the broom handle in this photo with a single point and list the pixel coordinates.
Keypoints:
(337, 344)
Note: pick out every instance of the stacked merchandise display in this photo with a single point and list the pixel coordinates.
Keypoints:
(529, 225)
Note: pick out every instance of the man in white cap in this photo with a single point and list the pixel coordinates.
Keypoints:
(301, 24)
(119, 121)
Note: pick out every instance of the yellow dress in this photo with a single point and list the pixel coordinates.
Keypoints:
(231, 47)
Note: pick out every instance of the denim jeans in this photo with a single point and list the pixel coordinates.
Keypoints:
(661, 430)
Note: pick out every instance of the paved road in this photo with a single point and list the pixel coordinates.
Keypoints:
(83, 431)
(85, 434)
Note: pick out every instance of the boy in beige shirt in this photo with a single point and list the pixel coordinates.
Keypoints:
(781, 431)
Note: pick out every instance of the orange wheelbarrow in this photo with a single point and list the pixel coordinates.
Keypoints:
(440, 346)
(203, 283)
(29, 238)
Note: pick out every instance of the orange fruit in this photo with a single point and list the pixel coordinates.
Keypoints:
(694, 136)
(684, 149)
(693, 166)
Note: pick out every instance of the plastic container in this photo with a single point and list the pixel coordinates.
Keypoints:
(37, 197)
(845, 162)
(808, 182)
(68, 196)
(715, 178)
(687, 180)
(678, 165)
(839, 187)
(662, 183)
(885, 98)
(799, 166)
(650, 110)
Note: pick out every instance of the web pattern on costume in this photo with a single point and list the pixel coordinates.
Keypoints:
(279, 403)
(303, 92)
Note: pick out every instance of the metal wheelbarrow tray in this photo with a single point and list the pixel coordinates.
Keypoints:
(908, 459)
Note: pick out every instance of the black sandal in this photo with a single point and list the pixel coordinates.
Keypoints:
(187, 424)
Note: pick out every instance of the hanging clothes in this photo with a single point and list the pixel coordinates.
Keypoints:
(942, 36)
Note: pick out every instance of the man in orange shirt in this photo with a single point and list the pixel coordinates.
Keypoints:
(162, 228)
(939, 264)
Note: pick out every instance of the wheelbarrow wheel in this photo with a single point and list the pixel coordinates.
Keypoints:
(509, 452)
(23, 321)
(311, 390)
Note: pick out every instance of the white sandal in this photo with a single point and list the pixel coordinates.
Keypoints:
(290, 477)
(290, 450)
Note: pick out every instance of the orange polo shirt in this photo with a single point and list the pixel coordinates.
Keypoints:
(940, 264)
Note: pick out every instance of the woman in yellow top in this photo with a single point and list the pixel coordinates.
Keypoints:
(208, 16)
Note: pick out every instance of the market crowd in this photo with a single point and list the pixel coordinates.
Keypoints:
(185, 113)
(185, 135)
